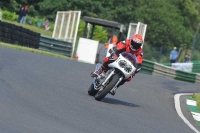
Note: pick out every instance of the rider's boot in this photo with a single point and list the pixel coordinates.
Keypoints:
(113, 92)
(98, 72)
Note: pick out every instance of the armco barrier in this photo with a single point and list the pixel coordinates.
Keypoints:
(197, 78)
(165, 71)
(153, 68)
(55, 46)
(185, 76)
(147, 67)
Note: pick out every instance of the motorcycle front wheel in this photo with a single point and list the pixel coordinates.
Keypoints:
(92, 91)
(101, 94)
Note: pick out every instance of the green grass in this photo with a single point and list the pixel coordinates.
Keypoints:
(197, 99)
(33, 50)
(31, 27)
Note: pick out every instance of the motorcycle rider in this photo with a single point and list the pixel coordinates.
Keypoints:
(132, 46)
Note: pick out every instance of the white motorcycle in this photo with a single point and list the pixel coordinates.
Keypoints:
(121, 69)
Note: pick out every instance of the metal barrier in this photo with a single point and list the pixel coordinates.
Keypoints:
(185, 76)
(55, 46)
(160, 69)
(197, 78)
(149, 67)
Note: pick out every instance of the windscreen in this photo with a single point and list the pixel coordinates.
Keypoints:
(131, 57)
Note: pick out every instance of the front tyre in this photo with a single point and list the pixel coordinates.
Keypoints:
(92, 91)
(101, 94)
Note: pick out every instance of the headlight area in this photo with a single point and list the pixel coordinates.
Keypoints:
(123, 64)
(128, 68)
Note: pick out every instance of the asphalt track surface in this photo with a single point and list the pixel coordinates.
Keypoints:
(43, 94)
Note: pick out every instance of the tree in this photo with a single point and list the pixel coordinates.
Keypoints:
(10, 5)
(165, 25)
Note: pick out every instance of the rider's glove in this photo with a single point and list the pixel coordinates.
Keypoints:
(114, 57)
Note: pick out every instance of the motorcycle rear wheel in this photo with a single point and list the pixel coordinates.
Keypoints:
(101, 94)
(92, 91)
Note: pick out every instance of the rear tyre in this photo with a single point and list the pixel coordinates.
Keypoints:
(92, 91)
(101, 94)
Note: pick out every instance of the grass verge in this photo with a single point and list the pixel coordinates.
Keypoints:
(33, 50)
(31, 27)
(197, 99)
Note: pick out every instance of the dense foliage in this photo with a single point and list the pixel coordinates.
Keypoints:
(170, 22)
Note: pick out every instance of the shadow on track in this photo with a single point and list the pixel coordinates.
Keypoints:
(118, 102)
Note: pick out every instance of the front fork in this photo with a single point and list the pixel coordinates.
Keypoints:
(115, 87)
(98, 66)
(103, 84)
